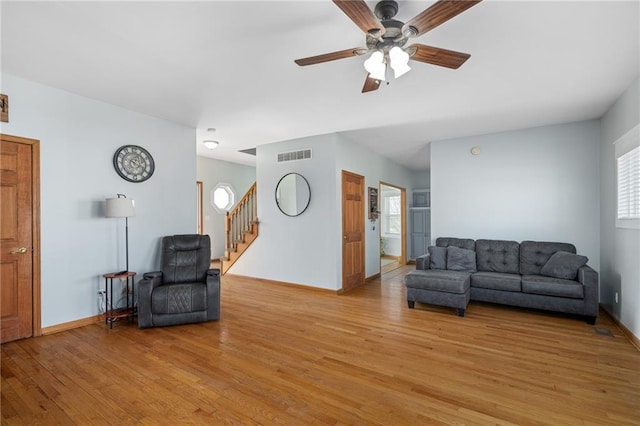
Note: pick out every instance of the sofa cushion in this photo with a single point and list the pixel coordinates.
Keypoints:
(438, 257)
(465, 243)
(538, 284)
(496, 281)
(438, 280)
(534, 254)
(563, 265)
(498, 256)
(459, 259)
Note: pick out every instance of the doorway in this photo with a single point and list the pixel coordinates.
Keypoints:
(392, 227)
(19, 238)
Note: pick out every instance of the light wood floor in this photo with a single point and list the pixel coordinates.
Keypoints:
(283, 355)
(388, 265)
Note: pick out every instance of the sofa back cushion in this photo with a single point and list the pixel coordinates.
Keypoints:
(465, 243)
(498, 256)
(535, 254)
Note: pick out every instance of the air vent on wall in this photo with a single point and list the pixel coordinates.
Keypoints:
(303, 154)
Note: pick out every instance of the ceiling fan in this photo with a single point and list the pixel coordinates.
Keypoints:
(386, 38)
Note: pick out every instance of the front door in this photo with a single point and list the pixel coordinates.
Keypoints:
(18, 202)
(352, 230)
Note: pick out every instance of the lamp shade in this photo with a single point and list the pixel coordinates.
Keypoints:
(120, 207)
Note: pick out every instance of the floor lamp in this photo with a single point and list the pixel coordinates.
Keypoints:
(122, 207)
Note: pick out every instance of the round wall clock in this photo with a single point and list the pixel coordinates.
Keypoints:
(133, 163)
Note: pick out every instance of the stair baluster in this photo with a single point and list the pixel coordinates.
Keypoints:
(241, 228)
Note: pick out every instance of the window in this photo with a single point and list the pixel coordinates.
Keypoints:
(223, 197)
(392, 211)
(627, 151)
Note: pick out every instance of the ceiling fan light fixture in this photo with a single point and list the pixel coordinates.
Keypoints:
(375, 65)
(210, 144)
(410, 31)
(399, 61)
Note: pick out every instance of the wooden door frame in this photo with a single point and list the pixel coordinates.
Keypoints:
(364, 233)
(199, 207)
(403, 220)
(36, 325)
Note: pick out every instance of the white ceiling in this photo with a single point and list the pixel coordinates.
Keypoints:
(229, 65)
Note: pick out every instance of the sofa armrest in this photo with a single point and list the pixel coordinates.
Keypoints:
(423, 262)
(213, 294)
(588, 277)
(146, 285)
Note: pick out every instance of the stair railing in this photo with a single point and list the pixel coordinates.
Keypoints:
(241, 219)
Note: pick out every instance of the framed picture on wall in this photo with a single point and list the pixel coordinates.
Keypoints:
(373, 203)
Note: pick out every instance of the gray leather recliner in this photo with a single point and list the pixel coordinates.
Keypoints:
(186, 290)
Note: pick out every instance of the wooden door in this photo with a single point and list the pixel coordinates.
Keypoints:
(18, 237)
(352, 230)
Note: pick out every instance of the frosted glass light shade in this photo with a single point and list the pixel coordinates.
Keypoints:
(399, 61)
(120, 207)
(210, 144)
(375, 65)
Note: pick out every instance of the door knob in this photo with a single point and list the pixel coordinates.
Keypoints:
(21, 250)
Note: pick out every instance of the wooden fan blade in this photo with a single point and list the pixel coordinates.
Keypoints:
(370, 84)
(361, 15)
(437, 14)
(437, 56)
(341, 54)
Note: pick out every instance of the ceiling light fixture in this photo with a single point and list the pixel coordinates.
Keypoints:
(210, 144)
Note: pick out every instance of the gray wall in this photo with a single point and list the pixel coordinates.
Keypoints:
(297, 249)
(375, 169)
(421, 180)
(620, 247)
(78, 138)
(212, 172)
(532, 184)
(308, 249)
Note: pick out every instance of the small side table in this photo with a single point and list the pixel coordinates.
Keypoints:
(113, 314)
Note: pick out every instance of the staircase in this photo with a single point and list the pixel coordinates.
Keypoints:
(241, 227)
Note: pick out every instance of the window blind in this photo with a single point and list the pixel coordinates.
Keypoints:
(629, 185)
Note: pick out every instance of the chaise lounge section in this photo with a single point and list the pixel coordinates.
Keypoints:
(539, 275)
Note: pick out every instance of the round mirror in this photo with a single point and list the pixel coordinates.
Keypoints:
(293, 194)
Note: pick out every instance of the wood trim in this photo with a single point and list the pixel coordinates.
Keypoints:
(4, 111)
(403, 226)
(635, 341)
(72, 324)
(199, 190)
(35, 215)
(403, 220)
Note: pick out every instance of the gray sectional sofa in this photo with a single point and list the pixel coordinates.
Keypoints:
(531, 274)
